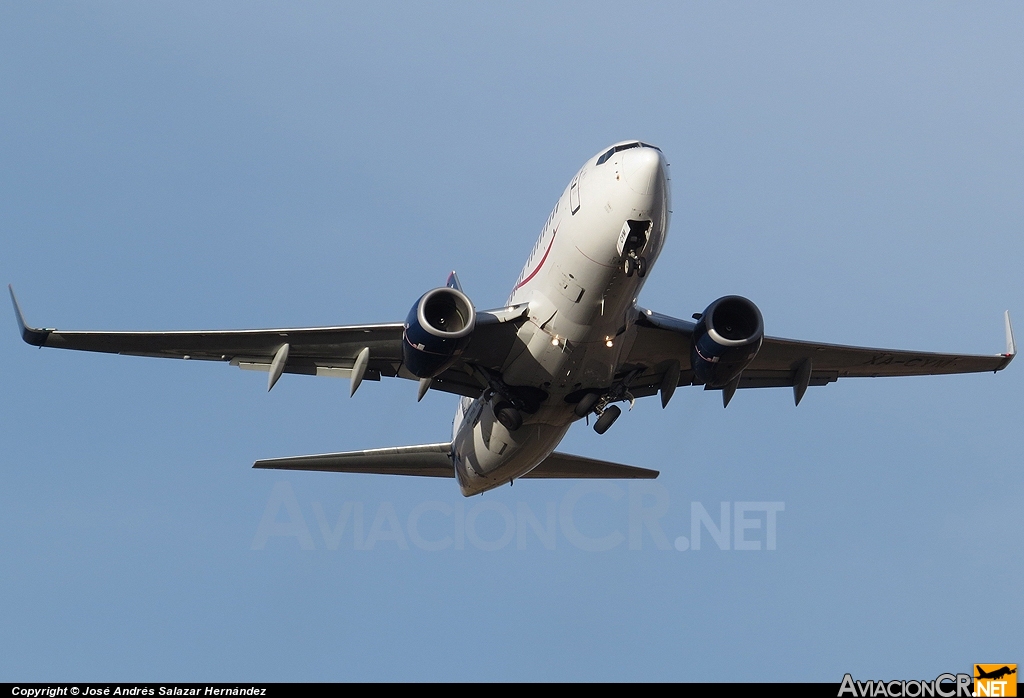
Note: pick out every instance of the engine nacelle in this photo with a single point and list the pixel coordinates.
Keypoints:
(436, 331)
(726, 340)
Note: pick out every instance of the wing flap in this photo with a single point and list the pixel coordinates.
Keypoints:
(783, 379)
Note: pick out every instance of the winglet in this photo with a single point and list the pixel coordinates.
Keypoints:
(1011, 346)
(35, 337)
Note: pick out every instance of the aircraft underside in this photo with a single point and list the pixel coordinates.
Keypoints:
(570, 342)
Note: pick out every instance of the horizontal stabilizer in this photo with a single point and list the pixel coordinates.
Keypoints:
(427, 460)
(433, 460)
(564, 465)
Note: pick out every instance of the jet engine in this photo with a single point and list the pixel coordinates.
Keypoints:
(436, 331)
(725, 340)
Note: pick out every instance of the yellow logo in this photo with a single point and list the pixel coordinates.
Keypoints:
(995, 680)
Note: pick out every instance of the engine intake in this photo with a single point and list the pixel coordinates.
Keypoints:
(437, 329)
(726, 340)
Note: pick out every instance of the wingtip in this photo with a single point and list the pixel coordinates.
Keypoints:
(31, 335)
(1011, 345)
(17, 309)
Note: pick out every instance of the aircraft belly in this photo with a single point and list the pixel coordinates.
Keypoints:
(488, 455)
(541, 362)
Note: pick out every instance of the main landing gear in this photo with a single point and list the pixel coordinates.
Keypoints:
(509, 403)
(600, 405)
(607, 418)
(509, 417)
(586, 404)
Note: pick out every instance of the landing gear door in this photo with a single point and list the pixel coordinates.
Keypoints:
(633, 237)
(623, 234)
(574, 195)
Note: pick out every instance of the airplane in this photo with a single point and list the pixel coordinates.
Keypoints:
(996, 674)
(569, 343)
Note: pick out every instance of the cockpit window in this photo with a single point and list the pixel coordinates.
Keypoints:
(619, 148)
(611, 151)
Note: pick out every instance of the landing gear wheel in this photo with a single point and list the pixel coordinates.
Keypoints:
(508, 416)
(641, 267)
(586, 405)
(605, 421)
(629, 266)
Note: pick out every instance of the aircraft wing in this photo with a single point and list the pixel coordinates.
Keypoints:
(661, 341)
(321, 351)
(434, 460)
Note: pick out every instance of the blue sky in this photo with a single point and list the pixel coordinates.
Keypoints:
(855, 170)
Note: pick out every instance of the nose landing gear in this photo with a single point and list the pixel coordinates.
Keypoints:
(632, 241)
(633, 264)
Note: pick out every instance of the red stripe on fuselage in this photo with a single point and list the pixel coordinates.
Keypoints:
(543, 259)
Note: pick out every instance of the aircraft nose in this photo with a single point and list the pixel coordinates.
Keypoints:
(640, 169)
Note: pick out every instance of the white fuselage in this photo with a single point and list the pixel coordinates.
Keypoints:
(581, 304)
